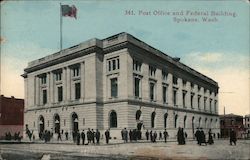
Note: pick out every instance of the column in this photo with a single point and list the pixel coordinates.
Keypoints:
(48, 88)
(179, 93)
(37, 90)
(51, 88)
(68, 91)
(64, 81)
(170, 90)
(82, 69)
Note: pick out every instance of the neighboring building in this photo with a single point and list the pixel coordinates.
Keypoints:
(231, 121)
(11, 116)
(114, 83)
(247, 125)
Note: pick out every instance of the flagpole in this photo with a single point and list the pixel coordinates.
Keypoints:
(60, 27)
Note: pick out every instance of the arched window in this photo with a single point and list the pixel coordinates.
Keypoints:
(113, 119)
(165, 120)
(153, 120)
(74, 121)
(57, 123)
(193, 124)
(211, 123)
(138, 115)
(205, 123)
(175, 121)
(184, 123)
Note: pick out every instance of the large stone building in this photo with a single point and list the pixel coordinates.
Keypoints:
(117, 82)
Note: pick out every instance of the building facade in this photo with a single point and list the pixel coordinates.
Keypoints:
(11, 116)
(231, 121)
(114, 83)
(247, 125)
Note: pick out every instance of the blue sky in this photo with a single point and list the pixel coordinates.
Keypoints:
(30, 30)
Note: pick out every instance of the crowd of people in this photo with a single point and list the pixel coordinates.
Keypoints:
(93, 136)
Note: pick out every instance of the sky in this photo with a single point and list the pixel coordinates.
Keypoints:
(219, 48)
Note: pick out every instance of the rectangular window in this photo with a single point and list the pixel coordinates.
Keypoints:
(151, 91)
(137, 65)
(175, 80)
(77, 90)
(199, 99)
(76, 71)
(48, 123)
(43, 79)
(164, 94)
(192, 85)
(137, 87)
(60, 93)
(114, 87)
(58, 76)
(175, 97)
(184, 93)
(64, 122)
(113, 64)
(44, 96)
(205, 105)
(83, 121)
(152, 71)
(164, 75)
(210, 105)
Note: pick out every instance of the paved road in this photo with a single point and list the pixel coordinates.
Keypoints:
(220, 150)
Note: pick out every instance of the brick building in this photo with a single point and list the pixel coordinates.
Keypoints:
(11, 115)
(117, 82)
(231, 121)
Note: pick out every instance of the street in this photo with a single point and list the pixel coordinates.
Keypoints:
(143, 150)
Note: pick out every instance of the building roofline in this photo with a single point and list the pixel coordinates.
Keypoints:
(111, 41)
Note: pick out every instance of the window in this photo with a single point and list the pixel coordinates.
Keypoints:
(210, 105)
(113, 119)
(215, 106)
(64, 122)
(114, 87)
(175, 97)
(164, 75)
(175, 121)
(137, 85)
(44, 96)
(205, 105)
(164, 94)
(165, 120)
(113, 64)
(152, 71)
(184, 82)
(184, 123)
(153, 120)
(151, 91)
(199, 99)
(77, 90)
(60, 93)
(200, 122)
(192, 85)
(175, 80)
(137, 65)
(43, 79)
(184, 93)
(76, 71)
(83, 121)
(48, 123)
(192, 99)
(58, 76)
(199, 88)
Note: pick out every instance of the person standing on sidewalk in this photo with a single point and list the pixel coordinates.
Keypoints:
(97, 135)
(147, 135)
(165, 134)
(233, 137)
(107, 136)
(83, 137)
(78, 137)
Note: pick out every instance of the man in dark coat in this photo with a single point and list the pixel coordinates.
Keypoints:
(210, 137)
(83, 137)
(97, 135)
(89, 135)
(107, 136)
(125, 135)
(151, 136)
(78, 137)
(203, 137)
(233, 137)
(67, 135)
(198, 136)
(147, 135)
(165, 134)
(130, 135)
(93, 136)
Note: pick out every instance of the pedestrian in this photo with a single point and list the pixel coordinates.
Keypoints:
(59, 136)
(125, 135)
(202, 137)
(147, 135)
(107, 136)
(198, 136)
(67, 135)
(151, 136)
(165, 134)
(83, 137)
(160, 135)
(180, 136)
(97, 135)
(130, 135)
(89, 135)
(233, 137)
(154, 137)
(93, 136)
(78, 137)
(210, 137)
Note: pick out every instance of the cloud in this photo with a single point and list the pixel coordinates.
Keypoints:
(208, 57)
